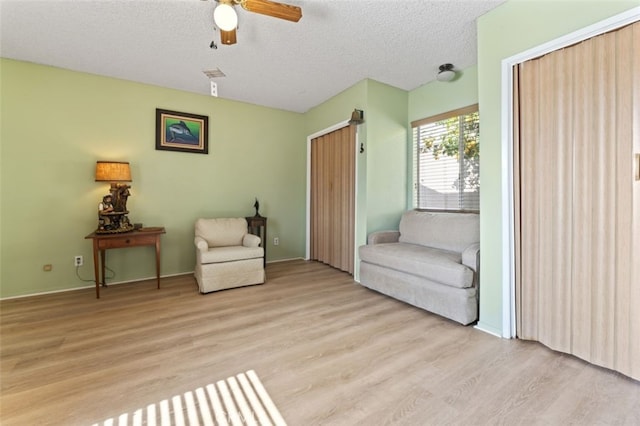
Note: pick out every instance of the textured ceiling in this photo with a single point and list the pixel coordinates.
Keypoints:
(276, 63)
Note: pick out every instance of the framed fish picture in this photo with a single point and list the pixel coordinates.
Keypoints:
(181, 131)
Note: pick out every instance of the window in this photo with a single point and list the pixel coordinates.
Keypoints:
(447, 161)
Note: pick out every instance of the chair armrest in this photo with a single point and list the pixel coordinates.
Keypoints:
(471, 257)
(250, 240)
(380, 237)
(201, 244)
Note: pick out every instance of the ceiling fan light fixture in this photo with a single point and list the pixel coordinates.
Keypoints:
(446, 73)
(225, 17)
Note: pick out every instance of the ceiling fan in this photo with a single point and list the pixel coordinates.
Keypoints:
(226, 19)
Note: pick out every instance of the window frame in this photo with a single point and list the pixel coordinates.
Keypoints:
(470, 109)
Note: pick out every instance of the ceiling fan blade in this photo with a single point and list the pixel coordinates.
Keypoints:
(272, 8)
(228, 37)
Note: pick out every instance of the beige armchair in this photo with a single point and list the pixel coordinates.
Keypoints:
(227, 255)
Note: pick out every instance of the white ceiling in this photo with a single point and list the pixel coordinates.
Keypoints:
(276, 63)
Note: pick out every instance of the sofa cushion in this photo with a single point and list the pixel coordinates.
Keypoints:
(228, 254)
(222, 232)
(446, 231)
(437, 265)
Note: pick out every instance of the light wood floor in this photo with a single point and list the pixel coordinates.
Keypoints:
(329, 352)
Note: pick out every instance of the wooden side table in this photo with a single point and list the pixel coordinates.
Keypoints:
(258, 226)
(103, 242)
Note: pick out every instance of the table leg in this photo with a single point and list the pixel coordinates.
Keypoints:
(102, 265)
(158, 260)
(264, 245)
(96, 268)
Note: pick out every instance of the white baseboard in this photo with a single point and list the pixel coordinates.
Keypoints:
(286, 260)
(92, 285)
(488, 329)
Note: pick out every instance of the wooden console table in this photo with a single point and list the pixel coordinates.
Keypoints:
(258, 226)
(103, 242)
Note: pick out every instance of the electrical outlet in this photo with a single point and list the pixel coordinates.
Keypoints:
(78, 261)
(276, 241)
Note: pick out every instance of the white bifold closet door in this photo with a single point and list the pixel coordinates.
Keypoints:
(577, 140)
(332, 215)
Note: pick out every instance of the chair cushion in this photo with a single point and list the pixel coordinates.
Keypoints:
(440, 266)
(222, 232)
(229, 254)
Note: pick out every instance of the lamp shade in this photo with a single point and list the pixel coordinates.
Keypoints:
(113, 171)
(225, 17)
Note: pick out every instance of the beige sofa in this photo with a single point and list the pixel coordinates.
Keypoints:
(227, 255)
(431, 262)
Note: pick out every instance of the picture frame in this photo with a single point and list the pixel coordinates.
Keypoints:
(182, 131)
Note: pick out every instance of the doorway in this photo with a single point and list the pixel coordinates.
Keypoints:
(332, 187)
(576, 199)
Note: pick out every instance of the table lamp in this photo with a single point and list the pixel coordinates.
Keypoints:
(113, 209)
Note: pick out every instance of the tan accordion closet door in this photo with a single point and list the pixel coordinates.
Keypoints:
(578, 200)
(333, 198)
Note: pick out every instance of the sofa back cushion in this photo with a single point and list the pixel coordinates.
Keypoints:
(222, 232)
(446, 231)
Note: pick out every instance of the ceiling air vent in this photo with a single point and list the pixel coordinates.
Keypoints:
(214, 73)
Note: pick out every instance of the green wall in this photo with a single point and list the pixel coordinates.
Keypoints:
(387, 166)
(435, 98)
(383, 164)
(512, 28)
(338, 108)
(56, 124)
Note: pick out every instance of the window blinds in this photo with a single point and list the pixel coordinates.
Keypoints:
(447, 162)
